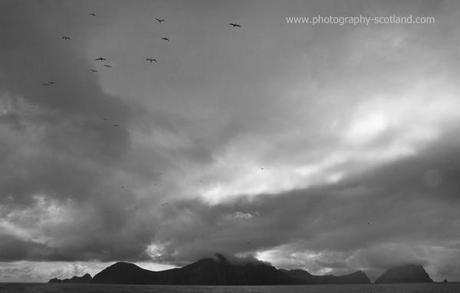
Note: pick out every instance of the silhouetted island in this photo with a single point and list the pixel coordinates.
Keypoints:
(220, 271)
(86, 278)
(405, 274)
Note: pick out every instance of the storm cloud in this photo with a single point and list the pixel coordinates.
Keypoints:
(330, 148)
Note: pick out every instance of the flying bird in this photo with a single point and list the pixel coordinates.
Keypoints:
(160, 20)
(65, 37)
(51, 82)
(234, 24)
(108, 65)
(166, 39)
(151, 60)
(100, 59)
(93, 70)
(116, 125)
(92, 14)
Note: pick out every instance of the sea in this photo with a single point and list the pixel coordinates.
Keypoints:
(102, 288)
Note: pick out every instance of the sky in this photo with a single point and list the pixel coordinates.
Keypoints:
(331, 148)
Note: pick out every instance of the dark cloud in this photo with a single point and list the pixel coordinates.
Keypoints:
(61, 146)
(62, 126)
(17, 249)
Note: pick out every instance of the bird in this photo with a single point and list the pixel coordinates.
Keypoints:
(65, 37)
(51, 82)
(100, 59)
(151, 60)
(234, 24)
(93, 70)
(166, 39)
(160, 20)
(116, 125)
(108, 65)
(92, 14)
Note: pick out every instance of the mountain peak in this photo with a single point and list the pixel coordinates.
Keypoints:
(122, 265)
(221, 258)
(122, 273)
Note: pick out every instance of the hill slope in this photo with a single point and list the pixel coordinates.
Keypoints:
(304, 277)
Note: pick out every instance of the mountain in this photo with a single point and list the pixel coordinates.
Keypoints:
(219, 271)
(208, 271)
(86, 278)
(304, 277)
(405, 274)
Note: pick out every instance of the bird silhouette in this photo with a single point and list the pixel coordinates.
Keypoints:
(93, 70)
(234, 24)
(51, 82)
(151, 60)
(92, 14)
(100, 59)
(108, 65)
(160, 20)
(65, 37)
(166, 39)
(116, 125)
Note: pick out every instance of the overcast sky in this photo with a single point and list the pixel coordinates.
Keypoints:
(329, 148)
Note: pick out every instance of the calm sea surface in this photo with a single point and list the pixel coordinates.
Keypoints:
(75, 288)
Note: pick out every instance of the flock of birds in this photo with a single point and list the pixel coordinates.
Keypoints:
(104, 60)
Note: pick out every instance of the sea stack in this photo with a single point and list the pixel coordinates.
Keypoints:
(413, 273)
